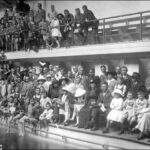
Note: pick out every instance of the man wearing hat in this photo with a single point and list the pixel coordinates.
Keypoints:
(41, 81)
(48, 82)
(53, 94)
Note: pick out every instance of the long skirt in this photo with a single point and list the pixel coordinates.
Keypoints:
(84, 116)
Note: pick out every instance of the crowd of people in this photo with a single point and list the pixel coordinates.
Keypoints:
(32, 29)
(53, 95)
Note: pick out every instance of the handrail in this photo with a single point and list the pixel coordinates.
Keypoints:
(137, 13)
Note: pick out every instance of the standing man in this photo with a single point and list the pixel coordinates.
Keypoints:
(79, 23)
(84, 79)
(39, 14)
(126, 78)
(53, 13)
(68, 30)
(103, 76)
(90, 21)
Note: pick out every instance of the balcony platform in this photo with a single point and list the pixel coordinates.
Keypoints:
(141, 48)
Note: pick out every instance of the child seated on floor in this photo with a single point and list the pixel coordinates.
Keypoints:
(128, 110)
(116, 105)
(46, 117)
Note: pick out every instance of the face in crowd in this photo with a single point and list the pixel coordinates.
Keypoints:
(129, 95)
(81, 71)
(47, 106)
(91, 73)
(141, 95)
(66, 12)
(104, 87)
(77, 80)
(77, 11)
(120, 80)
(103, 69)
(124, 70)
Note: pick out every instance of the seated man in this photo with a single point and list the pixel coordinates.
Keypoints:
(90, 21)
(104, 100)
(43, 25)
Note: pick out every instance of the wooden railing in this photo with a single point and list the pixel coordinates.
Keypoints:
(130, 27)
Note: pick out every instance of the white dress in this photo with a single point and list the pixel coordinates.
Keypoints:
(116, 113)
(55, 31)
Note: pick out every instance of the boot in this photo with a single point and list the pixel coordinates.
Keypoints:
(141, 136)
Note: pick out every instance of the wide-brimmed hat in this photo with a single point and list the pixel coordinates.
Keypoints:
(69, 88)
(80, 92)
(41, 77)
(55, 82)
(118, 92)
(65, 79)
(48, 76)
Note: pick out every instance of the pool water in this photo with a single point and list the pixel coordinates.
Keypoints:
(14, 141)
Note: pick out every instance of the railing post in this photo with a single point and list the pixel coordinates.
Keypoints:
(141, 28)
(103, 31)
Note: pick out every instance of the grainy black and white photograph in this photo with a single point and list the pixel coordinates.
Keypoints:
(74, 74)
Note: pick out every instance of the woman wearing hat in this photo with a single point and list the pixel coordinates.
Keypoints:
(66, 104)
(116, 112)
(63, 83)
(80, 95)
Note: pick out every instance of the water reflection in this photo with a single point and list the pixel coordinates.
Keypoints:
(13, 141)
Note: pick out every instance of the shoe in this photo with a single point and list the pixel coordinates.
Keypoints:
(141, 136)
(87, 126)
(66, 123)
(94, 129)
(76, 125)
(105, 130)
(134, 130)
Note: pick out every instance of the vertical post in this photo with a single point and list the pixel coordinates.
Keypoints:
(141, 28)
(103, 31)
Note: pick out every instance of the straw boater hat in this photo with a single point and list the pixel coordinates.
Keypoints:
(48, 76)
(80, 92)
(69, 88)
(118, 92)
(41, 77)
